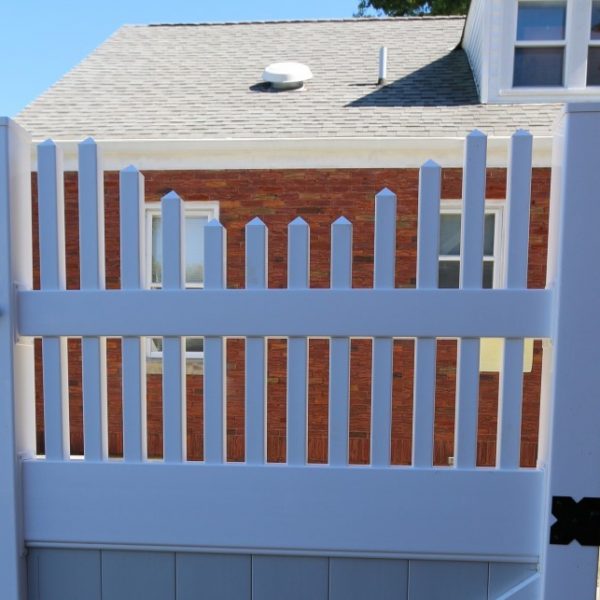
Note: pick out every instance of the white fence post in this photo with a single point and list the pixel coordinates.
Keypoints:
(570, 411)
(17, 394)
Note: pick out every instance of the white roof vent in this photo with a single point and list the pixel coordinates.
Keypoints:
(287, 75)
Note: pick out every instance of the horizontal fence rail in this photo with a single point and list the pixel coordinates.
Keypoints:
(297, 313)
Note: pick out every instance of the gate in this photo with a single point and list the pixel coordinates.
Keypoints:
(379, 511)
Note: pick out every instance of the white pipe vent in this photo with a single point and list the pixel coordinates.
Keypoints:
(287, 75)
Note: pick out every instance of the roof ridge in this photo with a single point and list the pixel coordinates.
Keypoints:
(283, 21)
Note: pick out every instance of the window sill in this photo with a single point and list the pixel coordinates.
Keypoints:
(193, 366)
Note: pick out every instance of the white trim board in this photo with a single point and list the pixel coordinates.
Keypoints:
(295, 153)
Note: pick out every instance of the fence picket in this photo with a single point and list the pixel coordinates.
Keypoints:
(297, 354)
(131, 210)
(384, 277)
(515, 276)
(471, 273)
(339, 348)
(430, 178)
(91, 268)
(174, 395)
(214, 350)
(52, 277)
(256, 363)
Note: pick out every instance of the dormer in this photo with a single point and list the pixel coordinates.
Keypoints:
(530, 51)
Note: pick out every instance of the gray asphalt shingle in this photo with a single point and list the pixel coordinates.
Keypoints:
(203, 81)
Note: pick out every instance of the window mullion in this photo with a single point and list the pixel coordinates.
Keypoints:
(579, 20)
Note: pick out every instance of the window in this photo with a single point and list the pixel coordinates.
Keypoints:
(593, 66)
(197, 215)
(449, 260)
(540, 45)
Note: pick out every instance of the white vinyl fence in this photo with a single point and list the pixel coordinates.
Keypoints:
(464, 513)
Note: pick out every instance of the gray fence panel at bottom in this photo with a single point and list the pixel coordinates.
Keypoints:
(64, 574)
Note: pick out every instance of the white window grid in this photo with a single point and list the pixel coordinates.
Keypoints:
(207, 209)
(576, 43)
(492, 207)
(546, 43)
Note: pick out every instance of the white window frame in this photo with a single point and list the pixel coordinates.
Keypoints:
(578, 19)
(591, 44)
(495, 207)
(194, 208)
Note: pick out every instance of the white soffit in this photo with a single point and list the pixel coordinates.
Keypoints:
(294, 153)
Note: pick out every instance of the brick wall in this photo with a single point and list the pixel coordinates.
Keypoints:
(320, 196)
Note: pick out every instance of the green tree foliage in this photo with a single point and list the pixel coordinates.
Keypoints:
(400, 8)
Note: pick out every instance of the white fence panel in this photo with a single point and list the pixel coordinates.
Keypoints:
(413, 512)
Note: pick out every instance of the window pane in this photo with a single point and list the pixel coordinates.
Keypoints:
(596, 21)
(194, 344)
(541, 21)
(194, 244)
(488, 274)
(538, 67)
(156, 344)
(488, 235)
(450, 235)
(593, 74)
(449, 273)
(156, 250)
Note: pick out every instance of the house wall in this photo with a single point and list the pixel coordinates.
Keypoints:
(475, 40)
(320, 196)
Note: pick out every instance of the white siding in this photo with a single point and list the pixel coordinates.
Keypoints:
(474, 42)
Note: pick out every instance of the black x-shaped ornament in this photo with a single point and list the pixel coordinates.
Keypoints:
(575, 521)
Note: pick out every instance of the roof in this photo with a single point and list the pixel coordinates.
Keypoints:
(202, 81)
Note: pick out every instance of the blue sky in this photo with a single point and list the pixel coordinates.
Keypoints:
(43, 39)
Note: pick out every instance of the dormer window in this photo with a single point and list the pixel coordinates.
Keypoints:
(540, 44)
(593, 66)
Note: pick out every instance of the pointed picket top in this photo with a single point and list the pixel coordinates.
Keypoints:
(47, 143)
(130, 169)
(214, 223)
(522, 133)
(171, 197)
(256, 222)
(430, 164)
(89, 141)
(385, 194)
(342, 222)
(298, 222)
(476, 133)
